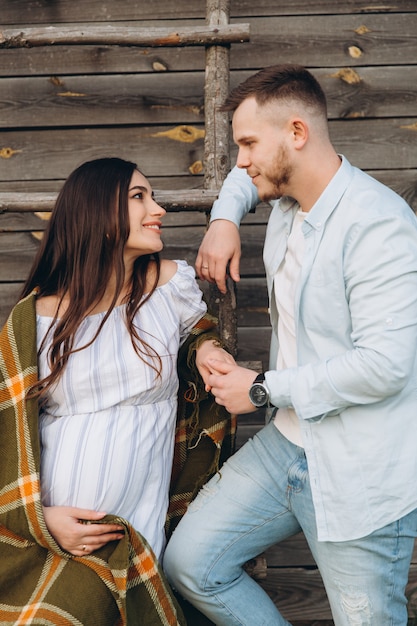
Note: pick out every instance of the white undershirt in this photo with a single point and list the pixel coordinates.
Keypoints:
(285, 285)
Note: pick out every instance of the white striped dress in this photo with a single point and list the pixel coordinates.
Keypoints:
(107, 430)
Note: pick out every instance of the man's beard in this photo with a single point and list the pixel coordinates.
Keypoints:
(279, 176)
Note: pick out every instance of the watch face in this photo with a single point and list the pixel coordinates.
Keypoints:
(258, 395)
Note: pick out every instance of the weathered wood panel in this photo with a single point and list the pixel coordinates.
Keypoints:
(42, 11)
(45, 154)
(16, 255)
(253, 343)
(9, 292)
(96, 100)
(377, 144)
(64, 60)
(54, 185)
(314, 41)
(20, 222)
(403, 182)
(319, 7)
(297, 592)
(178, 97)
(333, 40)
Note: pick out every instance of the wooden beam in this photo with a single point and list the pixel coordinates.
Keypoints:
(216, 140)
(177, 200)
(217, 153)
(123, 35)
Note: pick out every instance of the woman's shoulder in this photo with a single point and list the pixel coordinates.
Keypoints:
(167, 271)
(175, 271)
(46, 306)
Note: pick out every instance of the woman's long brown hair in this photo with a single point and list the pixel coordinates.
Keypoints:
(81, 249)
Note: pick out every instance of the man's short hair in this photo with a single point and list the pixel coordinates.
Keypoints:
(287, 83)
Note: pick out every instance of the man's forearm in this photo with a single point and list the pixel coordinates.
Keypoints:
(237, 197)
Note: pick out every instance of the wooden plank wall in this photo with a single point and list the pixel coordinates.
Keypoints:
(61, 105)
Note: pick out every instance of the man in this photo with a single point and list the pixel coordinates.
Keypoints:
(338, 459)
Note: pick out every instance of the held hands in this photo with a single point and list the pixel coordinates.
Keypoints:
(209, 351)
(230, 384)
(74, 529)
(220, 245)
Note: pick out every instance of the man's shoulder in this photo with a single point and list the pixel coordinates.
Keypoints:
(369, 193)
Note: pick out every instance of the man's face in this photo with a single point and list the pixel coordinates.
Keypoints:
(263, 150)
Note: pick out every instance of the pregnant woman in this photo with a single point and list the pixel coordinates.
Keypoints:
(89, 406)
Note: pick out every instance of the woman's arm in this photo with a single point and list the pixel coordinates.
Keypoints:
(210, 350)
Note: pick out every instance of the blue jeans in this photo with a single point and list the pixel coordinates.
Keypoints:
(262, 497)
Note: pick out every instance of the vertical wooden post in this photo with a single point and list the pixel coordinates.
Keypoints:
(217, 154)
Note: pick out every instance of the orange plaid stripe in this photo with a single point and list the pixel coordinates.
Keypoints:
(29, 489)
(43, 613)
(14, 388)
(102, 569)
(9, 537)
(23, 491)
(52, 568)
(205, 323)
(16, 380)
(217, 431)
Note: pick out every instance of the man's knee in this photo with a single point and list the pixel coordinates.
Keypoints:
(179, 560)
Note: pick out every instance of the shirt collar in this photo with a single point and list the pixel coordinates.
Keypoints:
(327, 202)
(331, 196)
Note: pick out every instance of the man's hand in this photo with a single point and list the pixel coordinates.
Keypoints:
(75, 531)
(208, 352)
(230, 386)
(221, 245)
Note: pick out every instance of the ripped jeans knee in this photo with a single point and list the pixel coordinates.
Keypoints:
(355, 604)
(206, 493)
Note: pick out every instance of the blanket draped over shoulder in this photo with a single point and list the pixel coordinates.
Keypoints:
(121, 583)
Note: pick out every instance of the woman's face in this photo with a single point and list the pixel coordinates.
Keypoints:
(144, 219)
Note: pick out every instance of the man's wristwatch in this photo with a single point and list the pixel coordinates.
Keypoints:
(258, 392)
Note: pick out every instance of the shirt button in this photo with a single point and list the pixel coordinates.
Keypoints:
(388, 321)
(318, 225)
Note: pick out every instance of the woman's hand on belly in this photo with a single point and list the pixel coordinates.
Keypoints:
(72, 529)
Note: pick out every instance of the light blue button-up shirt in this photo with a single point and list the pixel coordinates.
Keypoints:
(355, 386)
